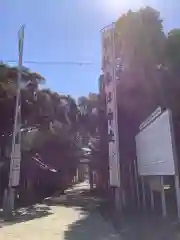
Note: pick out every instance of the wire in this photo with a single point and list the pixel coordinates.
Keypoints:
(52, 62)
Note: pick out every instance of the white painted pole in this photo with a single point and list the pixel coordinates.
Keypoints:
(137, 183)
(143, 192)
(152, 198)
(176, 180)
(131, 181)
(163, 198)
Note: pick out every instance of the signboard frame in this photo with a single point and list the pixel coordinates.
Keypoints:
(154, 155)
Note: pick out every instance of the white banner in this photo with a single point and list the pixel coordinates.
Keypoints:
(15, 166)
(109, 67)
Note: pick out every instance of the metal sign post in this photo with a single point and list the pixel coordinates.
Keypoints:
(14, 174)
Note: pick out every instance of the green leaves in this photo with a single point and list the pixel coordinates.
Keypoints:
(143, 47)
(173, 52)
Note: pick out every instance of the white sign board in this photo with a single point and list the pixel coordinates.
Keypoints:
(155, 149)
(113, 166)
(108, 66)
(15, 166)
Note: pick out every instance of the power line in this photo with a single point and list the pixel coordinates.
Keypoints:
(52, 62)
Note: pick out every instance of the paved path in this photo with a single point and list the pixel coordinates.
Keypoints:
(75, 219)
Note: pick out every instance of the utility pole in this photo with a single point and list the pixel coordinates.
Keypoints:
(14, 173)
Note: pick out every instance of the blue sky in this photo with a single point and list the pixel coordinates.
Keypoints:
(68, 30)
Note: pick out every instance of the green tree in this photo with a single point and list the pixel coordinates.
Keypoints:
(53, 117)
(170, 73)
(173, 52)
(143, 48)
(8, 86)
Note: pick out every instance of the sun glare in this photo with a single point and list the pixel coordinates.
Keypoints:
(114, 6)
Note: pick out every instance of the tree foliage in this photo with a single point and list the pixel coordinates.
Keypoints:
(173, 52)
(52, 116)
(88, 118)
(144, 45)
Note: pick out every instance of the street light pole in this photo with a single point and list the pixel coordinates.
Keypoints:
(14, 174)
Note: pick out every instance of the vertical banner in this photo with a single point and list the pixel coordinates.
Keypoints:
(16, 141)
(109, 70)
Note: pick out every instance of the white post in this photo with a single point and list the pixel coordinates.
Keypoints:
(137, 183)
(131, 181)
(117, 198)
(152, 198)
(163, 198)
(176, 180)
(143, 192)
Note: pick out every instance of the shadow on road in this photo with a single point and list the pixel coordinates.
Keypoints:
(149, 227)
(26, 214)
(90, 225)
(141, 225)
(130, 226)
(78, 199)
